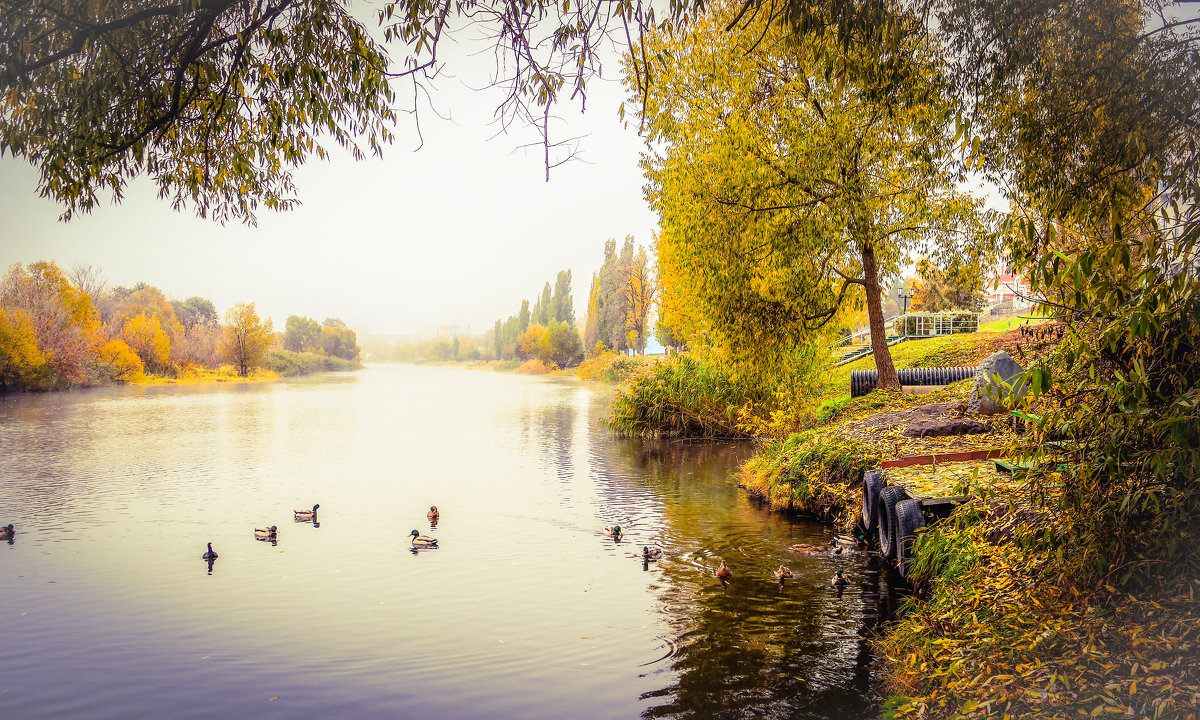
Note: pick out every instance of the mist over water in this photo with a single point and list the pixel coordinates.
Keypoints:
(526, 610)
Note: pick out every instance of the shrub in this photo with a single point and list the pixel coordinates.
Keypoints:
(609, 367)
(290, 364)
(811, 472)
(533, 366)
(679, 397)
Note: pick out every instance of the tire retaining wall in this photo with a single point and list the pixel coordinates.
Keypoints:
(893, 516)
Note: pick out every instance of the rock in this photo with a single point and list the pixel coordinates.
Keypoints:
(936, 427)
(988, 397)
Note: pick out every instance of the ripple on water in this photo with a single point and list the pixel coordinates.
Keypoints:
(526, 609)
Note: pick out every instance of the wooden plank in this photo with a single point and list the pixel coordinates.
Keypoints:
(935, 502)
(942, 458)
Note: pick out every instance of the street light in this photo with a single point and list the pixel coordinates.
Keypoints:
(906, 298)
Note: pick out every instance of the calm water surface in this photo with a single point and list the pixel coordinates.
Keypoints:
(527, 610)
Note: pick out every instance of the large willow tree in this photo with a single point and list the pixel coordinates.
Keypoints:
(794, 175)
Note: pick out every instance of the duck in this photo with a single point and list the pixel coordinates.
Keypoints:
(307, 514)
(847, 541)
(649, 554)
(838, 580)
(783, 573)
(210, 555)
(7, 532)
(423, 541)
(804, 548)
(613, 531)
(723, 572)
(433, 513)
(267, 533)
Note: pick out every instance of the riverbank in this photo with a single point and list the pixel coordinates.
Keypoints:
(1004, 622)
(194, 375)
(1014, 613)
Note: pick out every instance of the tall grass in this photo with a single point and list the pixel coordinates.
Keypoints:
(679, 397)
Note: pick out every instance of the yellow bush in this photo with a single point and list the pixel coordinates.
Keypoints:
(145, 336)
(533, 366)
(20, 358)
(122, 363)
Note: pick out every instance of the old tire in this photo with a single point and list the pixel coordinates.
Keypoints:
(909, 519)
(872, 485)
(885, 515)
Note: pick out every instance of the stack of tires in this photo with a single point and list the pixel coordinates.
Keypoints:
(893, 516)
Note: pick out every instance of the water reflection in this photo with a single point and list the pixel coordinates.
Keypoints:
(754, 640)
(527, 606)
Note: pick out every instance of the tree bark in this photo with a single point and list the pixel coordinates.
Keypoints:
(883, 356)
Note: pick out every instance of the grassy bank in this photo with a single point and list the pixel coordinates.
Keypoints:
(1021, 607)
(1001, 626)
(291, 364)
(818, 471)
(194, 374)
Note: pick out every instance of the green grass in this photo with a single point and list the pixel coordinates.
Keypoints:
(949, 351)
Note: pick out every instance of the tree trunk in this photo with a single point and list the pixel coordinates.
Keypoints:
(883, 356)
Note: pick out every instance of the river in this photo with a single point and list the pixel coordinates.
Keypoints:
(525, 610)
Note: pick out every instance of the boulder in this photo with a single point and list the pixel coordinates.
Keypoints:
(990, 393)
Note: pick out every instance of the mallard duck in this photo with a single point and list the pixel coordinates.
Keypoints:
(210, 555)
(267, 533)
(838, 580)
(649, 554)
(423, 541)
(723, 572)
(433, 513)
(307, 514)
(783, 572)
(7, 532)
(847, 541)
(613, 531)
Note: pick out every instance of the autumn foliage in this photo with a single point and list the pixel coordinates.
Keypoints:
(61, 330)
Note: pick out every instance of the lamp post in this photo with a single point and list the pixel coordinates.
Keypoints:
(905, 297)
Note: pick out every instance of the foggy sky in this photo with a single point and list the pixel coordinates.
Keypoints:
(458, 231)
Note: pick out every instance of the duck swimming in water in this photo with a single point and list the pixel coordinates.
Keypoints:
(838, 580)
(649, 554)
(307, 514)
(267, 533)
(433, 513)
(784, 572)
(723, 572)
(7, 532)
(423, 541)
(613, 531)
(210, 555)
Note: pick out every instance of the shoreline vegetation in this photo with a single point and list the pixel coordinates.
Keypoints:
(1006, 618)
(68, 329)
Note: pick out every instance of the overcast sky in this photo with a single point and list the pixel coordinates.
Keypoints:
(458, 231)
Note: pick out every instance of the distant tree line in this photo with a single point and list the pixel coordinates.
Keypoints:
(61, 329)
(546, 333)
(620, 299)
